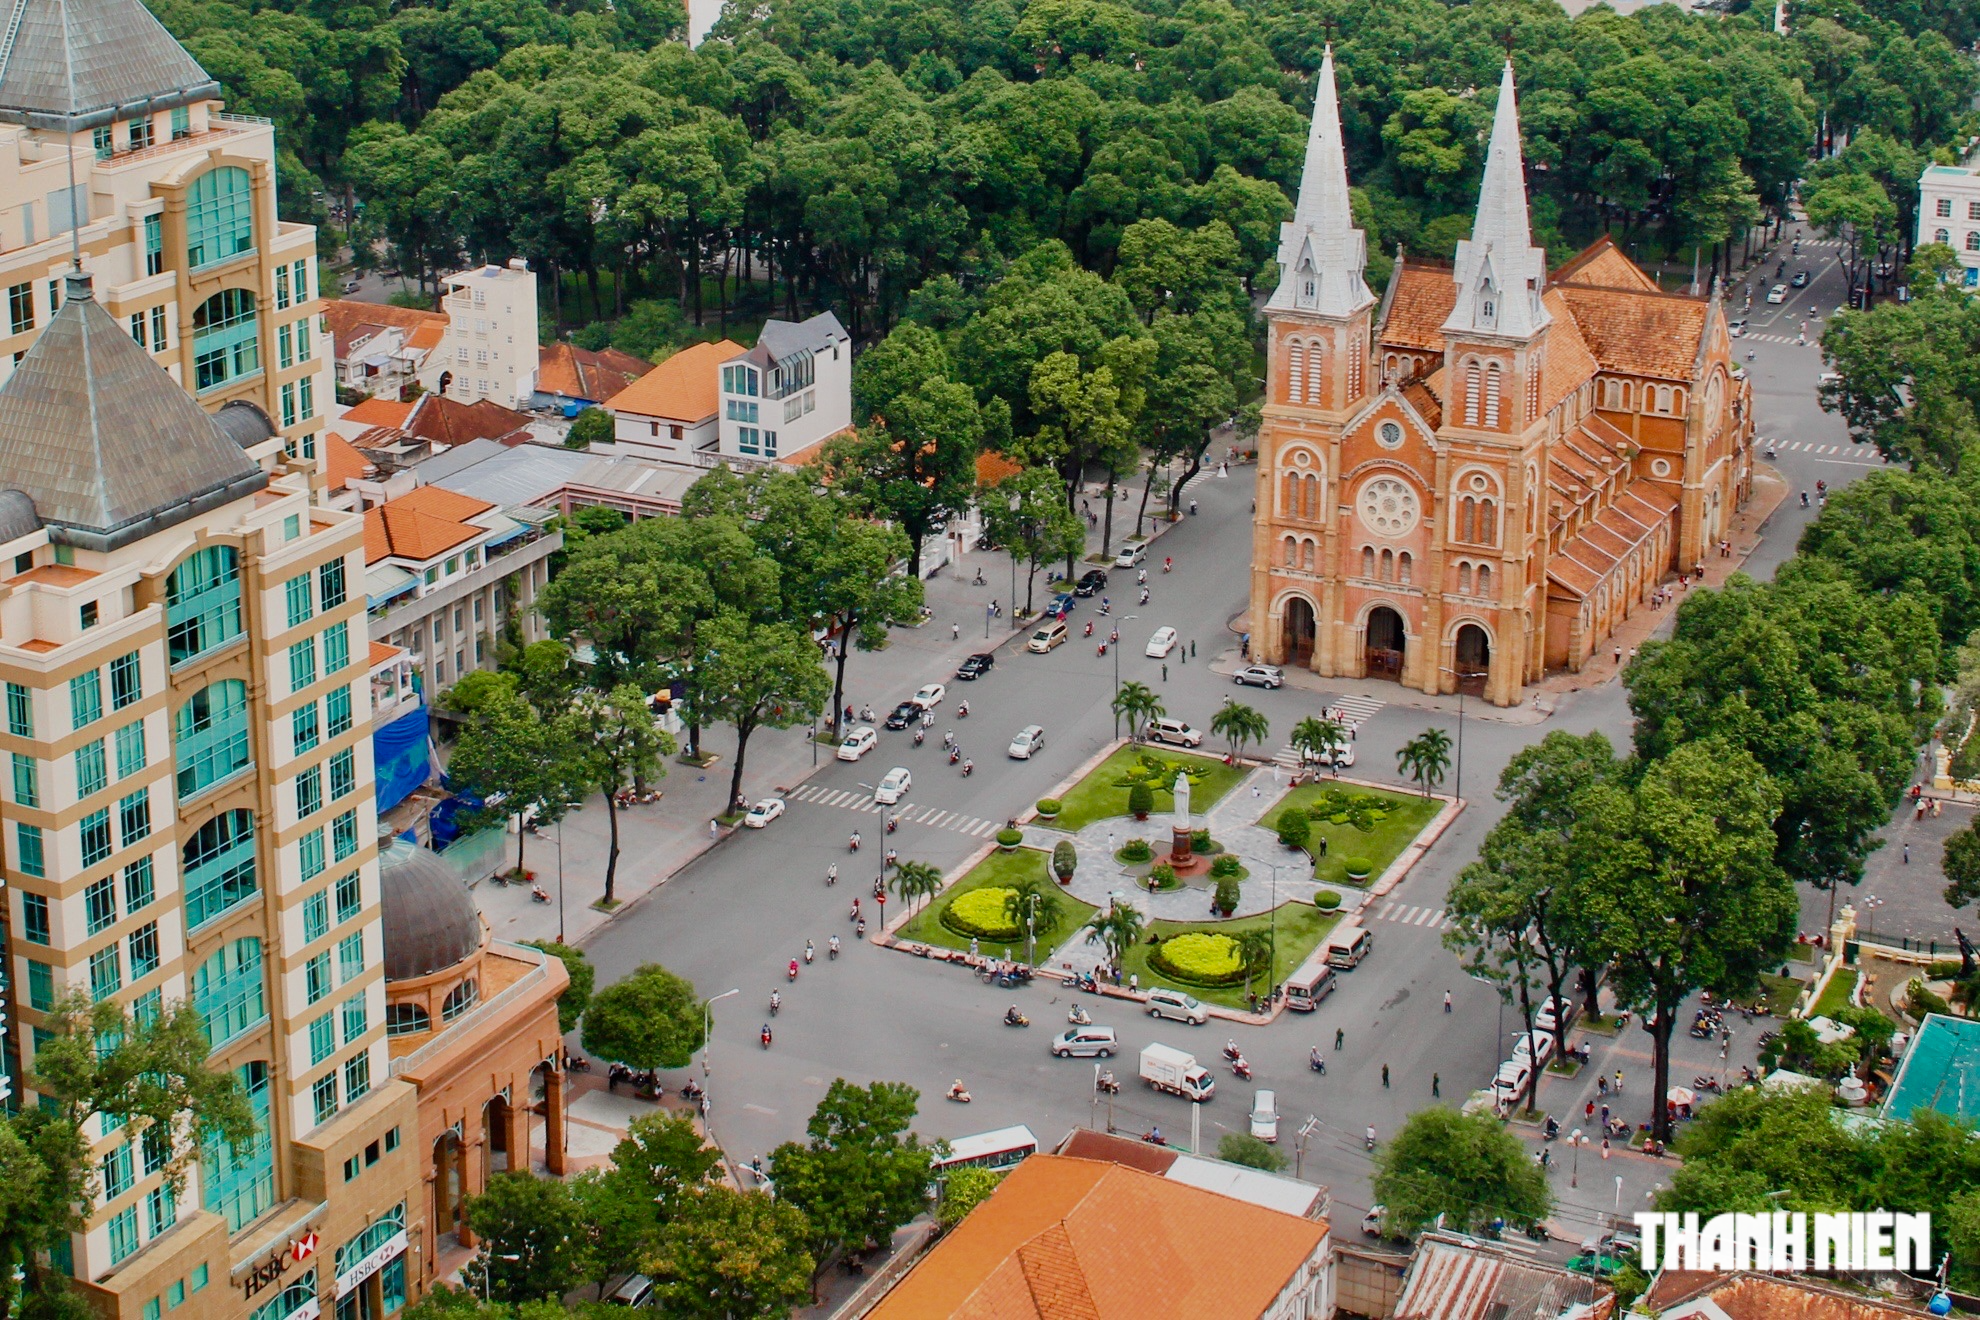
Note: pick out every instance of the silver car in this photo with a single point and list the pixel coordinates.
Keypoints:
(1029, 739)
(1085, 1041)
(1265, 676)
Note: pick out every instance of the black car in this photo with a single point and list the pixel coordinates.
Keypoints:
(903, 715)
(1092, 581)
(977, 665)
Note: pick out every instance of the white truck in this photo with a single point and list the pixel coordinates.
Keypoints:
(1177, 1072)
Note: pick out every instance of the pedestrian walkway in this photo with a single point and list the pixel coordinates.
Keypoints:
(1358, 709)
(1861, 453)
(1404, 914)
(910, 813)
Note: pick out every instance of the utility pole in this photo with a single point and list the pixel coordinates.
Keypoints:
(1306, 1131)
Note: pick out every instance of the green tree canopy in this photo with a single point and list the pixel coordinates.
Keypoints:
(652, 1019)
(1466, 1168)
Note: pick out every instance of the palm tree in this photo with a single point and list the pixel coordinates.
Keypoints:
(1425, 758)
(1118, 928)
(916, 880)
(1316, 734)
(1240, 725)
(1254, 951)
(1137, 704)
(1033, 899)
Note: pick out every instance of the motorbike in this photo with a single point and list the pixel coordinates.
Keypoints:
(879, 887)
(955, 753)
(866, 714)
(1317, 1061)
(1144, 595)
(1553, 1128)
(537, 894)
(1240, 1069)
(968, 766)
(790, 973)
(1106, 608)
(832, 948)
(920, 737)
(1079, 1017)
(776, 1002)
(893, 823)
(1539, 1232)
(1231, 1052)
(1089, 628)
(1167, 564)
(577, 1063)
(1706, 1084)
(832, 874)
(1154, 1137)
(1013, 1018)
(957, 1094)
(1107, 1083)
(690, 1090)
(852, 844)
(1084, 981)
(1368, 1139)
(764, 1035)
(962, 711)
(1100, 650)
(809, 953)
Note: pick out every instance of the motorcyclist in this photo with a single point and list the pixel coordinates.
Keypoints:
(832, 874)
(832, 946)
(1012, 1016)
(776, 1002)
(1316, 1060)
(1371, 1136)
(809, 952)
(919, 735)
(854, 841)
(956, 1090)
(968, 766)
(764, 1035)
(962, 709)
(792, 970)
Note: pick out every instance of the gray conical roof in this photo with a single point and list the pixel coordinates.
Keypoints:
(71, 64)
(108, 446)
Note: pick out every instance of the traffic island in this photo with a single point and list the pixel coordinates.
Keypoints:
(969, 915)
(1353, 831)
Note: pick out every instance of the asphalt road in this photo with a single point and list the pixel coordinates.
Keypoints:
(737, 916)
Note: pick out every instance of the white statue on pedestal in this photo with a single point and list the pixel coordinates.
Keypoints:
(1182, 800)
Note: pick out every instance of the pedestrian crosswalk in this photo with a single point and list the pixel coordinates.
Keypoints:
(1403, 914)
(1861, 453)
(1354, 710)
(911, 813)
(1771, 339)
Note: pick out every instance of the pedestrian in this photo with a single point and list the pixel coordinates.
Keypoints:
(1323, 845)
(714, 829)
(1618, 1081)
(1340, 1035)
(1605, 1148)
(1447, 1001)
(1935, 808)
(1605, 1118)
(1385, 1077)
(1436, 1086)
(1907, 854)
(1619, 657)
(1165, 673)
(955, 631)
(1632, 655)
(1588, 1112)
(1192, 648)
(1134, 983)
(1919, 813)
(1254, 790)
(1601, 1085)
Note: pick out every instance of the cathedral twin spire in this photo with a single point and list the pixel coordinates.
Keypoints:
(1499, 273)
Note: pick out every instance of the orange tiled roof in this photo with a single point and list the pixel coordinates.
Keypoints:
(379, 412)
(579, 373)
(426, 338)
(1569, 364)
(381, 652)
(1641, 334)
(992, 467)
(347, 319)
(1414, 318)
(448, 421)
(442, 503)
(342, 462)
(1764, 1297)
(420, 525)
(1076, 1238)
(1602, 265)
(684, 388)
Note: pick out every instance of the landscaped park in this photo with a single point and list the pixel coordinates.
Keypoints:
(1266, 876)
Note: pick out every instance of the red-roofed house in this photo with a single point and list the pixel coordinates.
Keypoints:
(668, 414)
(568, 374)
(379, 349)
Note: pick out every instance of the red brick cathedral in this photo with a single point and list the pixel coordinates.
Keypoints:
(1478, 478)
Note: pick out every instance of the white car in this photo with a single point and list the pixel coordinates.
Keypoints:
(894, 787)
(1029, 739)
(1265, 1116)
(929, 695)
(1340, 755)
(1130, 555)
(1510, 1082)
(1777, 294)
(1172, 730)
(1265, 676)
(763, 813)
(1544, 1017)
(858, 743)
(1163, 642)
(1523, 1047)
(1166, 1003)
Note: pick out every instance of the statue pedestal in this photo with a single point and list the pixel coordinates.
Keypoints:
(1182, 857)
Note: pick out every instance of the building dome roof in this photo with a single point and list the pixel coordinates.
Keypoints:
(429, 919)
(17, 515)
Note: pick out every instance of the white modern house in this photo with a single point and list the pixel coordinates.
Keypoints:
(788, 394)
(490, 348)
(1949, 213)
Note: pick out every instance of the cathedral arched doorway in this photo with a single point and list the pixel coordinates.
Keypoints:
(1301, 628)
(1473, 658)
(1382, 652)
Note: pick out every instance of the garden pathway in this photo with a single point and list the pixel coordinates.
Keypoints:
(1232, 821)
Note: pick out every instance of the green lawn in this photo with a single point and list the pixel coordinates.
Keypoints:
(1301, 927)
(1408, 814)
(1835, 996)
(999, 870)
(1101, 794)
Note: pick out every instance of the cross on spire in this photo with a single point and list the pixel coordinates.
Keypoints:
(1321, 253)
(1500, 274)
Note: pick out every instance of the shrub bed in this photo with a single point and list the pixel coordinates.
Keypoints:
(1326, 900)
(1198, 959)
(1358, 868)
(1135, 850)
(1008, 839)
(1049, 807)
(1227, 864)
(980, 913)
(1161, 876)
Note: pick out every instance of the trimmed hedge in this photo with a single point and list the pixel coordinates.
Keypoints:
(1161, 876)
(1294, 829)
(980, 913)
(1065, 860)
(1136, 850)
(1049, 806)
(1198, 958)
(1326, 900)
(1228, 864)
(1201, 842)
(1141, 799)
(1227, 894)
(1358, 868)
(1009, 838)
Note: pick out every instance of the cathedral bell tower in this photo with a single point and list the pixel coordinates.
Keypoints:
(1316, 376)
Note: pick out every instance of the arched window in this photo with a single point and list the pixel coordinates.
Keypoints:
(219, 216)
(1296, 372)
(1389, 367)
(1467, 519)
(219, 866)
(227, 990)
(1464, 578)
(1368, 561)
(1316, 362)
(1941, 236)
(1356, 357)
(1663, 397)
(1310, 505)
(226, 339)
(1973, 240)
(1308, 549)
(1484, 580)
(1290, 504)
(238, 1183)
(1403, 566)
(210, 736)
(1488, 522)
(459, 1000)
(1471, 395)
(1388, 565)
(406, 1020)
(203, 603)
(1292, 553)
(1492, 395)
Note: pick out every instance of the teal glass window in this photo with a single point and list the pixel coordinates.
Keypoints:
(290, 1300)
(330, 584)
(219, 216)
(96, 836)
(86, 698)
(357, 1077)
(34, 918)
(126, 681)
(92, 768)
(350, 957)
(322, 1039)
(227, 990)
(343, 836)
(343, 774)
(316, 978)
(203, 603)
(323, 1096)
(27, 780)
(131, 756)
(181, 128)
(100, 138)
(304, 727)
(210, 736)
(148, 1007)
(144, 950)
(239, 1184)
(336, 647)
(219, 866)
(316, 917)
(162, 1214)
(337, 706)
(156, 1150)
(306, 405)
(309, 852)
(20, 711)
(133, 817)
(302, 664)
(123, 1234)
(139, 888)
(297, 593)
(29, 858)
(41, 985)
(350, 896)
(106, 972)
(199, 1275)
(226, 339)
(309, 792)
(356, 1019)
(154, 244)
(100, 905)
(117, 1166)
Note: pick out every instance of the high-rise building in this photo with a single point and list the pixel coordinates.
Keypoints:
(1478, 477)
(113, 143)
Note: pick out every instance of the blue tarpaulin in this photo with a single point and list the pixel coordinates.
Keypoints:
(443, 822)
(399, 751)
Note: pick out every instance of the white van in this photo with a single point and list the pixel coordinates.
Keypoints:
(858, 743)
(1348, 945)
(1047, 637)
(1313, 982)
(1174, 731)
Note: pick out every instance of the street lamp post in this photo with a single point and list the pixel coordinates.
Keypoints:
(706, 1020)
(488, 1269)
(560, 879)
